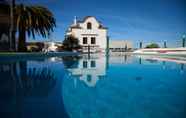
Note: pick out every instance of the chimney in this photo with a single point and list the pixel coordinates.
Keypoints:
(75, 20)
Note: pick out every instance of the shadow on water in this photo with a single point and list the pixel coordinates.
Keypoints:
(25, 91)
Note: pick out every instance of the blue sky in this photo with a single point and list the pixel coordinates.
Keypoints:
(135, 20)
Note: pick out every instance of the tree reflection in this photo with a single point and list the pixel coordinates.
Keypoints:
(164, 64)
(71, 61)
(182, 69)
(125, 57)
(22, 84)
(38, 82)
(140, 61)
(27, 81)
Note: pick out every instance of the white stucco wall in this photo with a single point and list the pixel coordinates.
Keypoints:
(120, 44)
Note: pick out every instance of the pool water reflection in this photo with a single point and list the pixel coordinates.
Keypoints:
(92, 86)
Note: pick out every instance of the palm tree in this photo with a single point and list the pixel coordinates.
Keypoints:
(12, 27)
(31, 20)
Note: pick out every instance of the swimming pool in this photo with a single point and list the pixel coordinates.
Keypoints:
(92, 86)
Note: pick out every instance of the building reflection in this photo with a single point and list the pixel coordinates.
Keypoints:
(120, 58)
(164, 61)
(87, 68)
(91, 68)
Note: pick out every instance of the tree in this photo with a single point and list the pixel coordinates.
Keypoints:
(165, 44)
(141, 45)
(71, 43)
(183, 41)
(13, 28)
(4, 26)
(152, 45)
(31, 20)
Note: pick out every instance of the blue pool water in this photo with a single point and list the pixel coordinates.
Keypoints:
(92, 86)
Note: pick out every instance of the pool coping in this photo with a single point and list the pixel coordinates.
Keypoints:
(35, 54)
(66, 53)
(162, 55)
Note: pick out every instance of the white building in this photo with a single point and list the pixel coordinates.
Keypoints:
(51, 46)
(120, 45)
(92, 35)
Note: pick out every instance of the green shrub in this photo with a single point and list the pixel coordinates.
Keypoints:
(152, 45)
(71, 43)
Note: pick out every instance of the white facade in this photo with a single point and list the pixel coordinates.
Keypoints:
(90, 33)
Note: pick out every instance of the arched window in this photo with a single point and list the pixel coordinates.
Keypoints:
(89, 25)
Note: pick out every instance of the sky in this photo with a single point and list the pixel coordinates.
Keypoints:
(133, 20)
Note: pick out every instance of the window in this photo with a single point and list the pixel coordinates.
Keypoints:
(93, 64)
(84, 64)
(93, 40)
(89, 25)
(84, 40)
